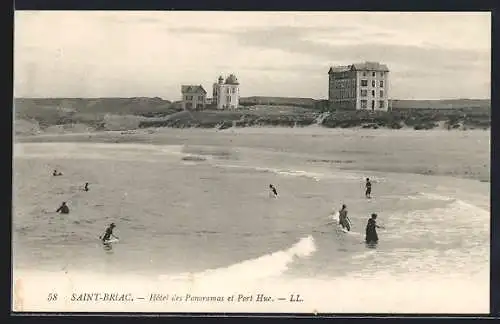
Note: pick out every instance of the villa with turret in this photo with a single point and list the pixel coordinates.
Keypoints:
(226, 93)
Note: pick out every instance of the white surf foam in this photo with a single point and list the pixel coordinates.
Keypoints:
(442, 224)
(317, 176)
(269, 265)
(102, 151)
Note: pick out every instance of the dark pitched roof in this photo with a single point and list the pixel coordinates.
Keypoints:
(342, 68)
(370, 66)
(231, 79)
(193, 89)
(366, 66)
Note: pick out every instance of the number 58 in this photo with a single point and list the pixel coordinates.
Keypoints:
(52, 297)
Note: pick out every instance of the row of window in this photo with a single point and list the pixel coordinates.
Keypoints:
(341, 94)
(228, 90)
(373, 74)
(340, 84)
(200, 98)
(364, 104)
(350, 93)
(364, 83)
(349, 83)
(364, 93)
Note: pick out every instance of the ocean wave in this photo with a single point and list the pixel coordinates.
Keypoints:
(317, 176)
(442, 224)
(269, 265)
(218, 153)
(101, 151)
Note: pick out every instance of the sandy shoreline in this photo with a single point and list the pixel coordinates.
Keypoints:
(375, 155)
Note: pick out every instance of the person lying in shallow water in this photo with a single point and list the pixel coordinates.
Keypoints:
(63, 209)
(273, 191)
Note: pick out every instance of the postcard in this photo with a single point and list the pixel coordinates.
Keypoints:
(251, 162)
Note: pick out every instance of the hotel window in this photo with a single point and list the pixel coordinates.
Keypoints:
(228, 98)
(364, 104)
(381, 93)
(364, 93)
(373, 74)
(234, 90)
(373, 83)
(227, 91)
(381, 74)
(381, 104)
(364, 73)
(381, 83)
(200, 98)
(373, 93)
(364, 83)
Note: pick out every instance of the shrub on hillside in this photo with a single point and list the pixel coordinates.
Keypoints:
(121, 122)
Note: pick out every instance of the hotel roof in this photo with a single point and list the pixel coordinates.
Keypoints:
(366, 66)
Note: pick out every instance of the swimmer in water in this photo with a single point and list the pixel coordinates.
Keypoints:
(86, 188)
(55, 173)
(273, 191)
(108, 233)
(63, 209)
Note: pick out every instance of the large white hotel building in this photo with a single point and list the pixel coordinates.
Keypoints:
(359, 86)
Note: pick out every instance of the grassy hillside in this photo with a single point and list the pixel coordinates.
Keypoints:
(131, 113)
(136, 105)
(442, 104)
(277, 101)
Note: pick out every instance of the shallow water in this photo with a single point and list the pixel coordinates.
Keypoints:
(210, 216)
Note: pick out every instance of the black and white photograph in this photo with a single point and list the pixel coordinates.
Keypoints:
(251, 162)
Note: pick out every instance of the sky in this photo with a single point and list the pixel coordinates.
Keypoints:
(152, 53)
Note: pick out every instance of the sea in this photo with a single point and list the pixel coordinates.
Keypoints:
(196, 223)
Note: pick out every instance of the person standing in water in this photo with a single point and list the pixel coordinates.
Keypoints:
(371, 230)
(343, 219)
(368, 186)
(86, 188)
(63, 209)
(273, 191)
(108, 233)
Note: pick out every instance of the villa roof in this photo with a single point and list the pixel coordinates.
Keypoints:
(231, 79)
(193, 89)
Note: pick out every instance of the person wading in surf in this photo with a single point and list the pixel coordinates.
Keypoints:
(108, 233)
(368, 186)
(371, 230)
(86, 188)
(343, 220)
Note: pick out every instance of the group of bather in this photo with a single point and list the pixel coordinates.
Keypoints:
(64, 209)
